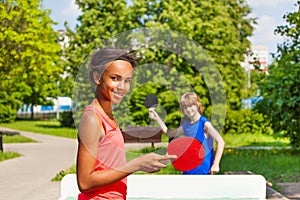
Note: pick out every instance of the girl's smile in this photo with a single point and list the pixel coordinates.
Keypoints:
(116, 80)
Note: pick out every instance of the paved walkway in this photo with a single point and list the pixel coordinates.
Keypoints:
(29, 176)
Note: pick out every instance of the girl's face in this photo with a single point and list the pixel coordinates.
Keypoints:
(116, 81)
(190, 110)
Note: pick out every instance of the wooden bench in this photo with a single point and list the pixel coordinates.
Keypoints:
(183, 187)
(141, 134)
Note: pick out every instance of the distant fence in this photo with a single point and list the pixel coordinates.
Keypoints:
(61, 104)
(40, 115)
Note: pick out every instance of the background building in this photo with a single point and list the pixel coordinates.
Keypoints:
(259, 55)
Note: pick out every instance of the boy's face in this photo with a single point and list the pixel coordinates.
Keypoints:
(116, 81)
(190, 110)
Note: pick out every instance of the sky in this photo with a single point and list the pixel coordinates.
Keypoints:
(269, 14)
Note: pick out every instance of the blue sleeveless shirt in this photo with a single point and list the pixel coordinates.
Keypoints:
(196, 130)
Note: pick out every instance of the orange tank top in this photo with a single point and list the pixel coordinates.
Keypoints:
(111, 153)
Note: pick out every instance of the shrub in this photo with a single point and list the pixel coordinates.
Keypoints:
(246, 121)
(7, 114)
(66, 119)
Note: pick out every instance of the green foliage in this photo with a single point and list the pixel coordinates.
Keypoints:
(28, 53)
(62, 173)
(280, 89)
(8, 111)
(222, 28)
(246, 121)
(66, 119)
(99, 21)
(9, 102)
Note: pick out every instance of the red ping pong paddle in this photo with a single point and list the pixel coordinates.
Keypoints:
(190, 153)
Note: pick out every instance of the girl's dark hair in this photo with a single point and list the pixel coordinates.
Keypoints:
(102, 57)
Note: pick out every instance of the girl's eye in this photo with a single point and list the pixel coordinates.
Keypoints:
(115, 78)
(128, 80)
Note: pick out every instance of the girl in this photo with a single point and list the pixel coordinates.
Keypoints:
(101, 162)
(198, 127)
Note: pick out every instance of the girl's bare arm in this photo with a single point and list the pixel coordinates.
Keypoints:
(90, 133)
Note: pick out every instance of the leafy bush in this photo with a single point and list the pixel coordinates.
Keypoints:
(62, 173)
(246, 121)
(8, 107)
(7, 113)
(66, 119)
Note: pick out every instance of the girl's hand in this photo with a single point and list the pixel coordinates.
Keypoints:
(152, 162)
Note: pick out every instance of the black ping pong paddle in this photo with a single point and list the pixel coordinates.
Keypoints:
(151, 101)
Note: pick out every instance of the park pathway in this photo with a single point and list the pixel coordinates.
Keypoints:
(29, 176)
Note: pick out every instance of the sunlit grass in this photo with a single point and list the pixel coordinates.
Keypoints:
(16, 139)
(43, 127)
(276, 165)
(249, 139)
(53, 127)
(8, 155)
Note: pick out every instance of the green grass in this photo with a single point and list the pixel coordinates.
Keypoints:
(53, 128)
(43, 127)
(16, 139)
(8, 155)
(276, 165)
(255, 140)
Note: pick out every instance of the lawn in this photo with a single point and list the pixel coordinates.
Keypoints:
(280, 164)
(54, 128)
(16, 139)
(51, 127)
(8, 155)
(276, 165)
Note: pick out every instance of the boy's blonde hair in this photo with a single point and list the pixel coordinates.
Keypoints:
(191, 98)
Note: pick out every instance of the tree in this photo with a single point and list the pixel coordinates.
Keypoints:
(280, 89)
(222, 28)
(28, 52)
(99, 21)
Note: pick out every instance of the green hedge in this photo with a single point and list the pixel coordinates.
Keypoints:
(66, 119)
(246, 121)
